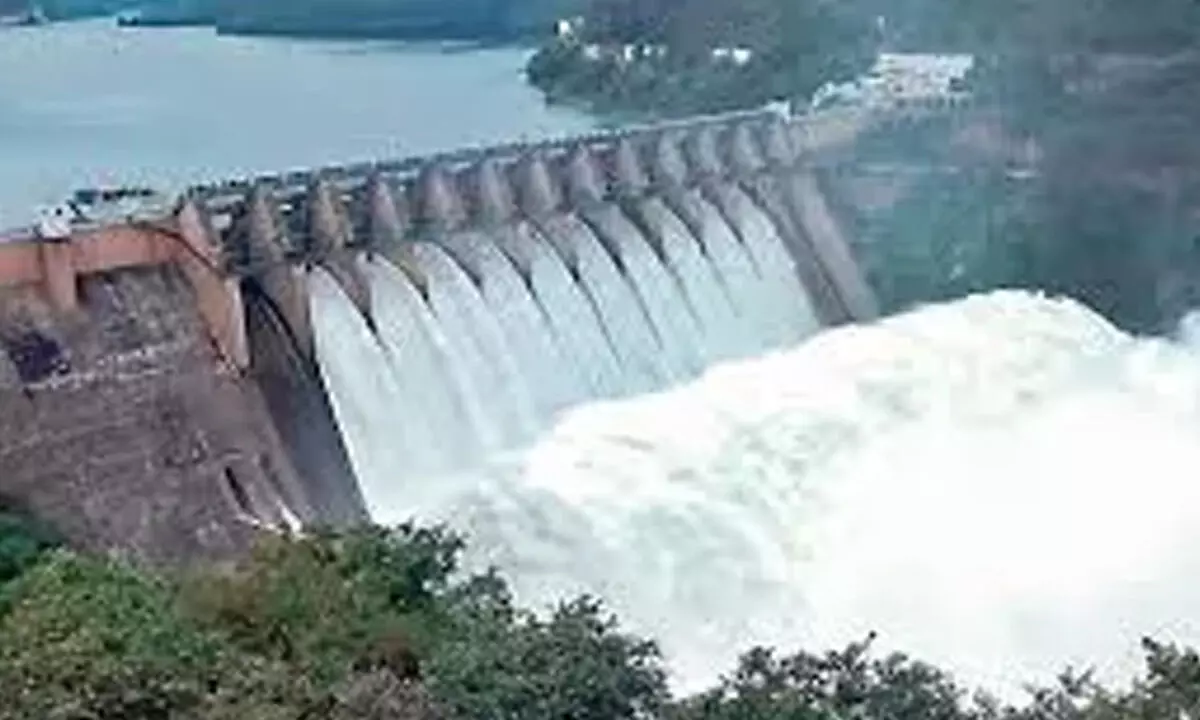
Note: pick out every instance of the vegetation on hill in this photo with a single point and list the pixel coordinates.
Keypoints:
(381, 624)
(1111, 105)
(1109, 212)
(695, 56)
(1001, 26)
(473, 20)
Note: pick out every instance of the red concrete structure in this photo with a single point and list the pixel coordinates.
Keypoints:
(184, 240)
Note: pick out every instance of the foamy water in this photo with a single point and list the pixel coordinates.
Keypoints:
(1001, 485)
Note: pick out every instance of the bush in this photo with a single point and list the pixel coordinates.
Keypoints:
(844, 684)
(380, 624)
(576, 664)
(89, 638)
(23, 541)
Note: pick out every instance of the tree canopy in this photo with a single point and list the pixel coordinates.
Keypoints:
(380, 624)
(988, 26)
(657, 56)
(302, 626)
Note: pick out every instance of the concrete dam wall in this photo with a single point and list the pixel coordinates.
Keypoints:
(118, 426)
(167, 387)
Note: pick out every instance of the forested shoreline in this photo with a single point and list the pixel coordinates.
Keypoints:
(478, 20)
(678, 58)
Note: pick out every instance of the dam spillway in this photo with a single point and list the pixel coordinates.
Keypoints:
(409, 319)
(455, 310)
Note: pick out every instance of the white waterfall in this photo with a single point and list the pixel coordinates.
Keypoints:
(484, 341)
(757, 311)
(438, 403)
(554, 384)
(571, 317)
(362, 389)
(723, 337)
(999, 485)
(674, 320)
(474, 333)
(645, 367)
(775, 265)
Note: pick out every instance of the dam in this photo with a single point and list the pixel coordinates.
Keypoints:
(642, 365)
(286, 350)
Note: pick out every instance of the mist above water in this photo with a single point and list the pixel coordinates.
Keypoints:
(1000, 485)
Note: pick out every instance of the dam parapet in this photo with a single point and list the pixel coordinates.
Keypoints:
(211, 412)
(374, 207)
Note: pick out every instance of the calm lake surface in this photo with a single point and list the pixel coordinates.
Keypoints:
(88, 103)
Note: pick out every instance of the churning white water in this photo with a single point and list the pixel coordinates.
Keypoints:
(1002, 485)
(484, 340)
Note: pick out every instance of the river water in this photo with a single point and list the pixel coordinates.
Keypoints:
(89, 103)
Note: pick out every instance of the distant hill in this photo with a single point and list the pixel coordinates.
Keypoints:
(485, 20)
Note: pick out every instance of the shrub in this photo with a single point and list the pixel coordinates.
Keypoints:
(87, 638)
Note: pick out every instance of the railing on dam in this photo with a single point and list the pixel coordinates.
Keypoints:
(811, 132)
(217, 196)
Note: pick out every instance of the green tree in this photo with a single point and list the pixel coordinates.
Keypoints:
(504, 663)
(1029, 26)
(307, 628)
(954, 233)
(330, 604)
(334, 607)
(795, 47)
(88, 638)
(842, 684)
(24, 541)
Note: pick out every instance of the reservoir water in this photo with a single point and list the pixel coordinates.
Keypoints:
(89, 103)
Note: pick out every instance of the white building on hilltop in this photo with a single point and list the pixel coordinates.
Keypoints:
(900, 77)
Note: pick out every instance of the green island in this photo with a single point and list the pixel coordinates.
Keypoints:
(662, 58)
(381, 623)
